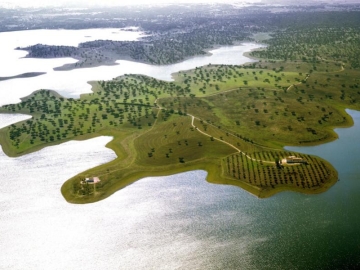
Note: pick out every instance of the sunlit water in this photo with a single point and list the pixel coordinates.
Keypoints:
(174, 222)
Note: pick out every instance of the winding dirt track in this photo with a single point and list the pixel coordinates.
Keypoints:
(231, 145)
(204, 133)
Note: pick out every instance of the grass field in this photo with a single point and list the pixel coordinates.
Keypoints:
(231, 121)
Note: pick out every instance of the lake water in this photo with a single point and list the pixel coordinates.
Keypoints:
(13, 62)
(73, 83)
(174, 222)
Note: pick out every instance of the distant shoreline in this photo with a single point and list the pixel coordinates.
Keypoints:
(113, 60)
(23, 75)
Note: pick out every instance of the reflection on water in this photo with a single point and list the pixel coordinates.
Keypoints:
(174, 222)
(156, 223)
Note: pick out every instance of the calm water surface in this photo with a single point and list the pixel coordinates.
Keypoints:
(174, 222)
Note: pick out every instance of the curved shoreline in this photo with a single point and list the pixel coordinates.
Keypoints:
(215, 174)
(348, 123)
(213, 168)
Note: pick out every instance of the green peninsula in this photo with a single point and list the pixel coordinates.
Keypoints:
(232, 121)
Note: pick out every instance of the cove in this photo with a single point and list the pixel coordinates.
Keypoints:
(343, 153)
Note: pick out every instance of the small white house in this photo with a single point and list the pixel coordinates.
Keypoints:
(92, 180)
(89, 180)
(294, 159)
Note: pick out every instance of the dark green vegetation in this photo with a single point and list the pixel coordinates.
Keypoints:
(231, 121)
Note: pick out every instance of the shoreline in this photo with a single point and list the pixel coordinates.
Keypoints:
(124, 57)
(212, 168)
(348, 123)
(23, 75)
(214, 176)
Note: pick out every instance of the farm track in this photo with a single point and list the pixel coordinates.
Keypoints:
(206, 134)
